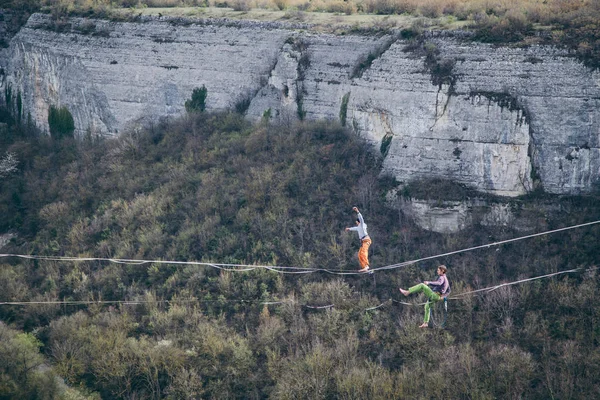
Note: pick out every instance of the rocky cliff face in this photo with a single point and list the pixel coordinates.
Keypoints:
(498, 119)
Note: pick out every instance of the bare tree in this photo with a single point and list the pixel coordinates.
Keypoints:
(8, 164)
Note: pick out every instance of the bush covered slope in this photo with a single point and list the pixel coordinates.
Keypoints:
(212, 187)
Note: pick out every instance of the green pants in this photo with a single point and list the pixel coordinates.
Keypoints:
(432, 297)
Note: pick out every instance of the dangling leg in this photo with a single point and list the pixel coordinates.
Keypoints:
(432, 297)
(425, 323)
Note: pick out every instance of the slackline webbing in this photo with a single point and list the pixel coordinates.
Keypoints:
(286, 270)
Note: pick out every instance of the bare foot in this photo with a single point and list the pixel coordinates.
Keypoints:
(365, 269)
(404, 292)
(424, 325)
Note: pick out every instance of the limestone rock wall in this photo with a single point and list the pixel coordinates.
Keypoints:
(502, 120)
(454, 216)
(114, 75)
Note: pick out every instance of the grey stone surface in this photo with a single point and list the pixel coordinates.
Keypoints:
(449, 217)
(454, 216)
(512, 118)
(118, 74)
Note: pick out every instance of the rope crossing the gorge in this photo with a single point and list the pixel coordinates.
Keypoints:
(286, 270)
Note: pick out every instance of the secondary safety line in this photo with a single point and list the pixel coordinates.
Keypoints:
(489, 289)
(492, 288)
(459, 296)
(137, 302)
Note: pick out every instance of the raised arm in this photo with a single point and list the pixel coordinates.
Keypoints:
(359, 215)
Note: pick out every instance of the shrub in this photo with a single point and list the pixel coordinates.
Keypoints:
(266, 117)
(431, 9)
(508, 371)
(390, 6)
(344, 108)
(300, 112)
(511, 27)
(8, 164)
(23, 375)
(281, 4)
(441, 70)
(60, 122)
(243, 103)
(8, 95)
(385, 144)
(198, 101)
(19, 106)
(340, 7)
(241, 5)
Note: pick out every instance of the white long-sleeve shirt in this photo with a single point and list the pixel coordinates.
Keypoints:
(361, 228)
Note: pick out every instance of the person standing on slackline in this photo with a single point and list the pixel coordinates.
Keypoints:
(365, 241)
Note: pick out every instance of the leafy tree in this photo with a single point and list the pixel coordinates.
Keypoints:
(8, 164)
(61, 122)
(198, 101)
(23, 373)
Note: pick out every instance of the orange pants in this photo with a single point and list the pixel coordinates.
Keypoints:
(363, 253)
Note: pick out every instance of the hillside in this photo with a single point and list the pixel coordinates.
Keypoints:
(213, 187)
(176, 177)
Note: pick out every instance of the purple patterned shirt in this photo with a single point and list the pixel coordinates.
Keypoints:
(441, 285)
